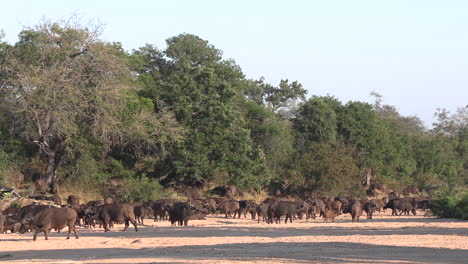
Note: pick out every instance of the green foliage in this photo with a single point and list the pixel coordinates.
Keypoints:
(316, 121)
(329, 169)
(270, 133)
(449, 205)
(4, 159)
(186, 116)
(284, 95)
(201, 89)
(141, 189)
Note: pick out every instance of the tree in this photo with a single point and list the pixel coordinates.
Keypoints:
(272, 134)
(202, 89)
(330, 169)
(282, 96)
(65, 84)
(316, 121)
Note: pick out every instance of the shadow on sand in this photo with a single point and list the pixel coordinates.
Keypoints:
(324, 252)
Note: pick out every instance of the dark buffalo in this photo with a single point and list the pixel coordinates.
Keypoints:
(73, 200)
(96, 203)
(116, 213)
(112, 200)
(337, 206)
(424, 204)
(228, 207)
(56, 218)
(181, 213)
(262, 212)
(379, 204)
(244, 208)
(303, 210)
(313, 211)
(140, 212)
(270, 200)
(411, 190)
(160, 208)
(278, 209)
(211, 205)
(403, 205)
(320, 206)
(343, 200)
(370, 208)
(28, 212)
(355, 209)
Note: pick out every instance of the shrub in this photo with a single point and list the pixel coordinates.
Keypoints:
(451, 206)
(141, 189)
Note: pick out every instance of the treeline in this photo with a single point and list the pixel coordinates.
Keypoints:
(78, 110)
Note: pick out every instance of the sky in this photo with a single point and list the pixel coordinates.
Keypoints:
(414, 53)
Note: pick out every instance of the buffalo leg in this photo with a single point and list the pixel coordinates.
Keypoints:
(106, 223)
(74, 231)
(35, 234)
(126, 224)
(134, 224)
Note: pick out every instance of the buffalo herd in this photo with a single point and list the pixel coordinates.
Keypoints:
(104, 213)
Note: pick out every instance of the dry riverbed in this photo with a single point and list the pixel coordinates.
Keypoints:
(385, 239)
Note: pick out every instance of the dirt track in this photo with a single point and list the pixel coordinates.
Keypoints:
(386, 239)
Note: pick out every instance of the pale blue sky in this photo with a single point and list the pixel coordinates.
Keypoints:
(415, 53)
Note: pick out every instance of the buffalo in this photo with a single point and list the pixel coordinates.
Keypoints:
(56, 218)
(228, 207)
(116, 213)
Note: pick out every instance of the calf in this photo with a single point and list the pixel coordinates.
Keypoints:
(12, 225)
(329, 214)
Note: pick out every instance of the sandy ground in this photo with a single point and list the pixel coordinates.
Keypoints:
(385, 239)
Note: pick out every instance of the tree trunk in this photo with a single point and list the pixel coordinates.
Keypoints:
(52, 158)
(368, 177)
(51, 177)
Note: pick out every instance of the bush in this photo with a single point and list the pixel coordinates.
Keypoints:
(451, 206)
(141, 189)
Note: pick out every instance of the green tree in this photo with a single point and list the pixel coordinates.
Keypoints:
(330, 169)
(201, 88)
(275, 97)
(316, 121)
(272, 134)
